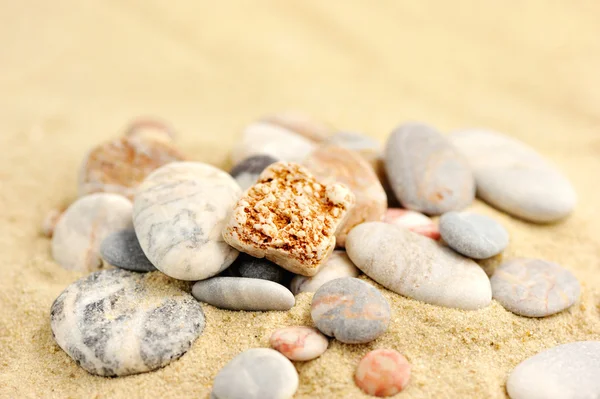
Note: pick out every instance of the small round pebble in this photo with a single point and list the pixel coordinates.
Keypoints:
(116, 322)
(239, 293)
(534, 287)
(473, 235)
(246, 173)
(414, 221)
(382, 373)
(250, 267)
(258, 373)
(299, 343)
(337, 265)
(122, 249)
(569, 371)
(350, 310)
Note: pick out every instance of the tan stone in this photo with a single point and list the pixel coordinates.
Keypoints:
(302, 124)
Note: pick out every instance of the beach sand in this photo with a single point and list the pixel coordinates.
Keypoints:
(73, 74)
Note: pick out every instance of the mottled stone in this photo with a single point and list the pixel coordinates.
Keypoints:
(414, 221)
(299, 343)
(331, 164)
(569, 371)
(246, 173)
(418, 267)
(150, 128)
(268, 139)
(258, 373)
(122, 249)
(239, 293)
(473, 235)
(382, 373)
(179, 213)
(115, 322)
(426, 172)
(350, 310)
(250, 267)
(337, 265)
(84, 225)
(119, 166)
(513, 177)
(289, 218)
(302, 124)
(534, 287)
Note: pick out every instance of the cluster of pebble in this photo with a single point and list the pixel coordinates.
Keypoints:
(305, 209)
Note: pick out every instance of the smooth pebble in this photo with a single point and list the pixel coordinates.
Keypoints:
(301, 123)
(350, 310)
(150, 128)
(250, 267)
(414, 221)
(299, 343)
(337, 265)
(473, 235)
(418, 267)
(122, 249)
(382, 373)
(246, 173)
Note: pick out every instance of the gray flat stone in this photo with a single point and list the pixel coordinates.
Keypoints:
(534, 287)
(250, 267)
(473, 235)
(246, 172)
(116, 322)
(350, 310)
(239, 293)
(122, 249)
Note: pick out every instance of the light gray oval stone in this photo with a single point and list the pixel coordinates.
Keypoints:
(84, 225)
(246, 172)
(239, 293)
(534, 287)
(350, 310)
(122, 249)
(426, 172)
(473, 235)
(116, 322)
(513, 177)
(250, 267)
(569, 371)
(417, 267)
(258, 373)
(178, 214)
(338, 265)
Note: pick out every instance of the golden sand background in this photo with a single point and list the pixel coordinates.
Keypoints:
(73, 73)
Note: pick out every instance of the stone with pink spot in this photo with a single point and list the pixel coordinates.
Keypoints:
(414, 221)
(382, 373)
(299, 343)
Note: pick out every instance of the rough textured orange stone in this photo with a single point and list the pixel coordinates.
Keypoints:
(382, 372)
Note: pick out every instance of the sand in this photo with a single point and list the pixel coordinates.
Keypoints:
(74, 73)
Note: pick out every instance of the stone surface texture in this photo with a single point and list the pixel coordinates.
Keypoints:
(299, 343)
(337, 265)
(414, 221)
(382, 373)
(122, 249)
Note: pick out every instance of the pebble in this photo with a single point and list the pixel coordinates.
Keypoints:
(258, 373)
(115, 322)
(51, 220)
(246, 173)
(250, 267)
(337, 265)
(473, 235)
(178, 215)
(382, 373)
(122, 249)
(568, 371)
(263, 138)
(301, 124)
(534, 287)
(84, 225)
(513, 177)
(299, 343)
(239, 293)
(289, 218)
(331, 164)
(119, 166)
(150, 128)
(426, 172)
(350, 310)
(418, 267)
(414, 221)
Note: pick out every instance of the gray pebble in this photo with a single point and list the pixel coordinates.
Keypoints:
(239, 293)
(534, 287)
(116, 322)
(350, 310)
(246, 172)
(473, 235)
(258, 373)
(122, 249)
(250, 267)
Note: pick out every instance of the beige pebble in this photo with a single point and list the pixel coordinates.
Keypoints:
(338, 265)
(51, 219)
(150, 128)
(302, 124)
(299, 343)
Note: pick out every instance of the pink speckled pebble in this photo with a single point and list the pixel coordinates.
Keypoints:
(382, 372)
(299, 343)
(414, 221)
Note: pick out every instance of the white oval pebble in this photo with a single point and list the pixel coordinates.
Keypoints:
(299, 343)
(337, 265)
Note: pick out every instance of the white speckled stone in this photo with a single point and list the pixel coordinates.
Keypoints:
(258, 373)
(116, 322)
(337, 265)
(246, 173)
(473, 235)
(418, 267)
(569, 371)
(513, 177)
(240, 293)
(84, 225)
(178, 215)
(534, 287)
